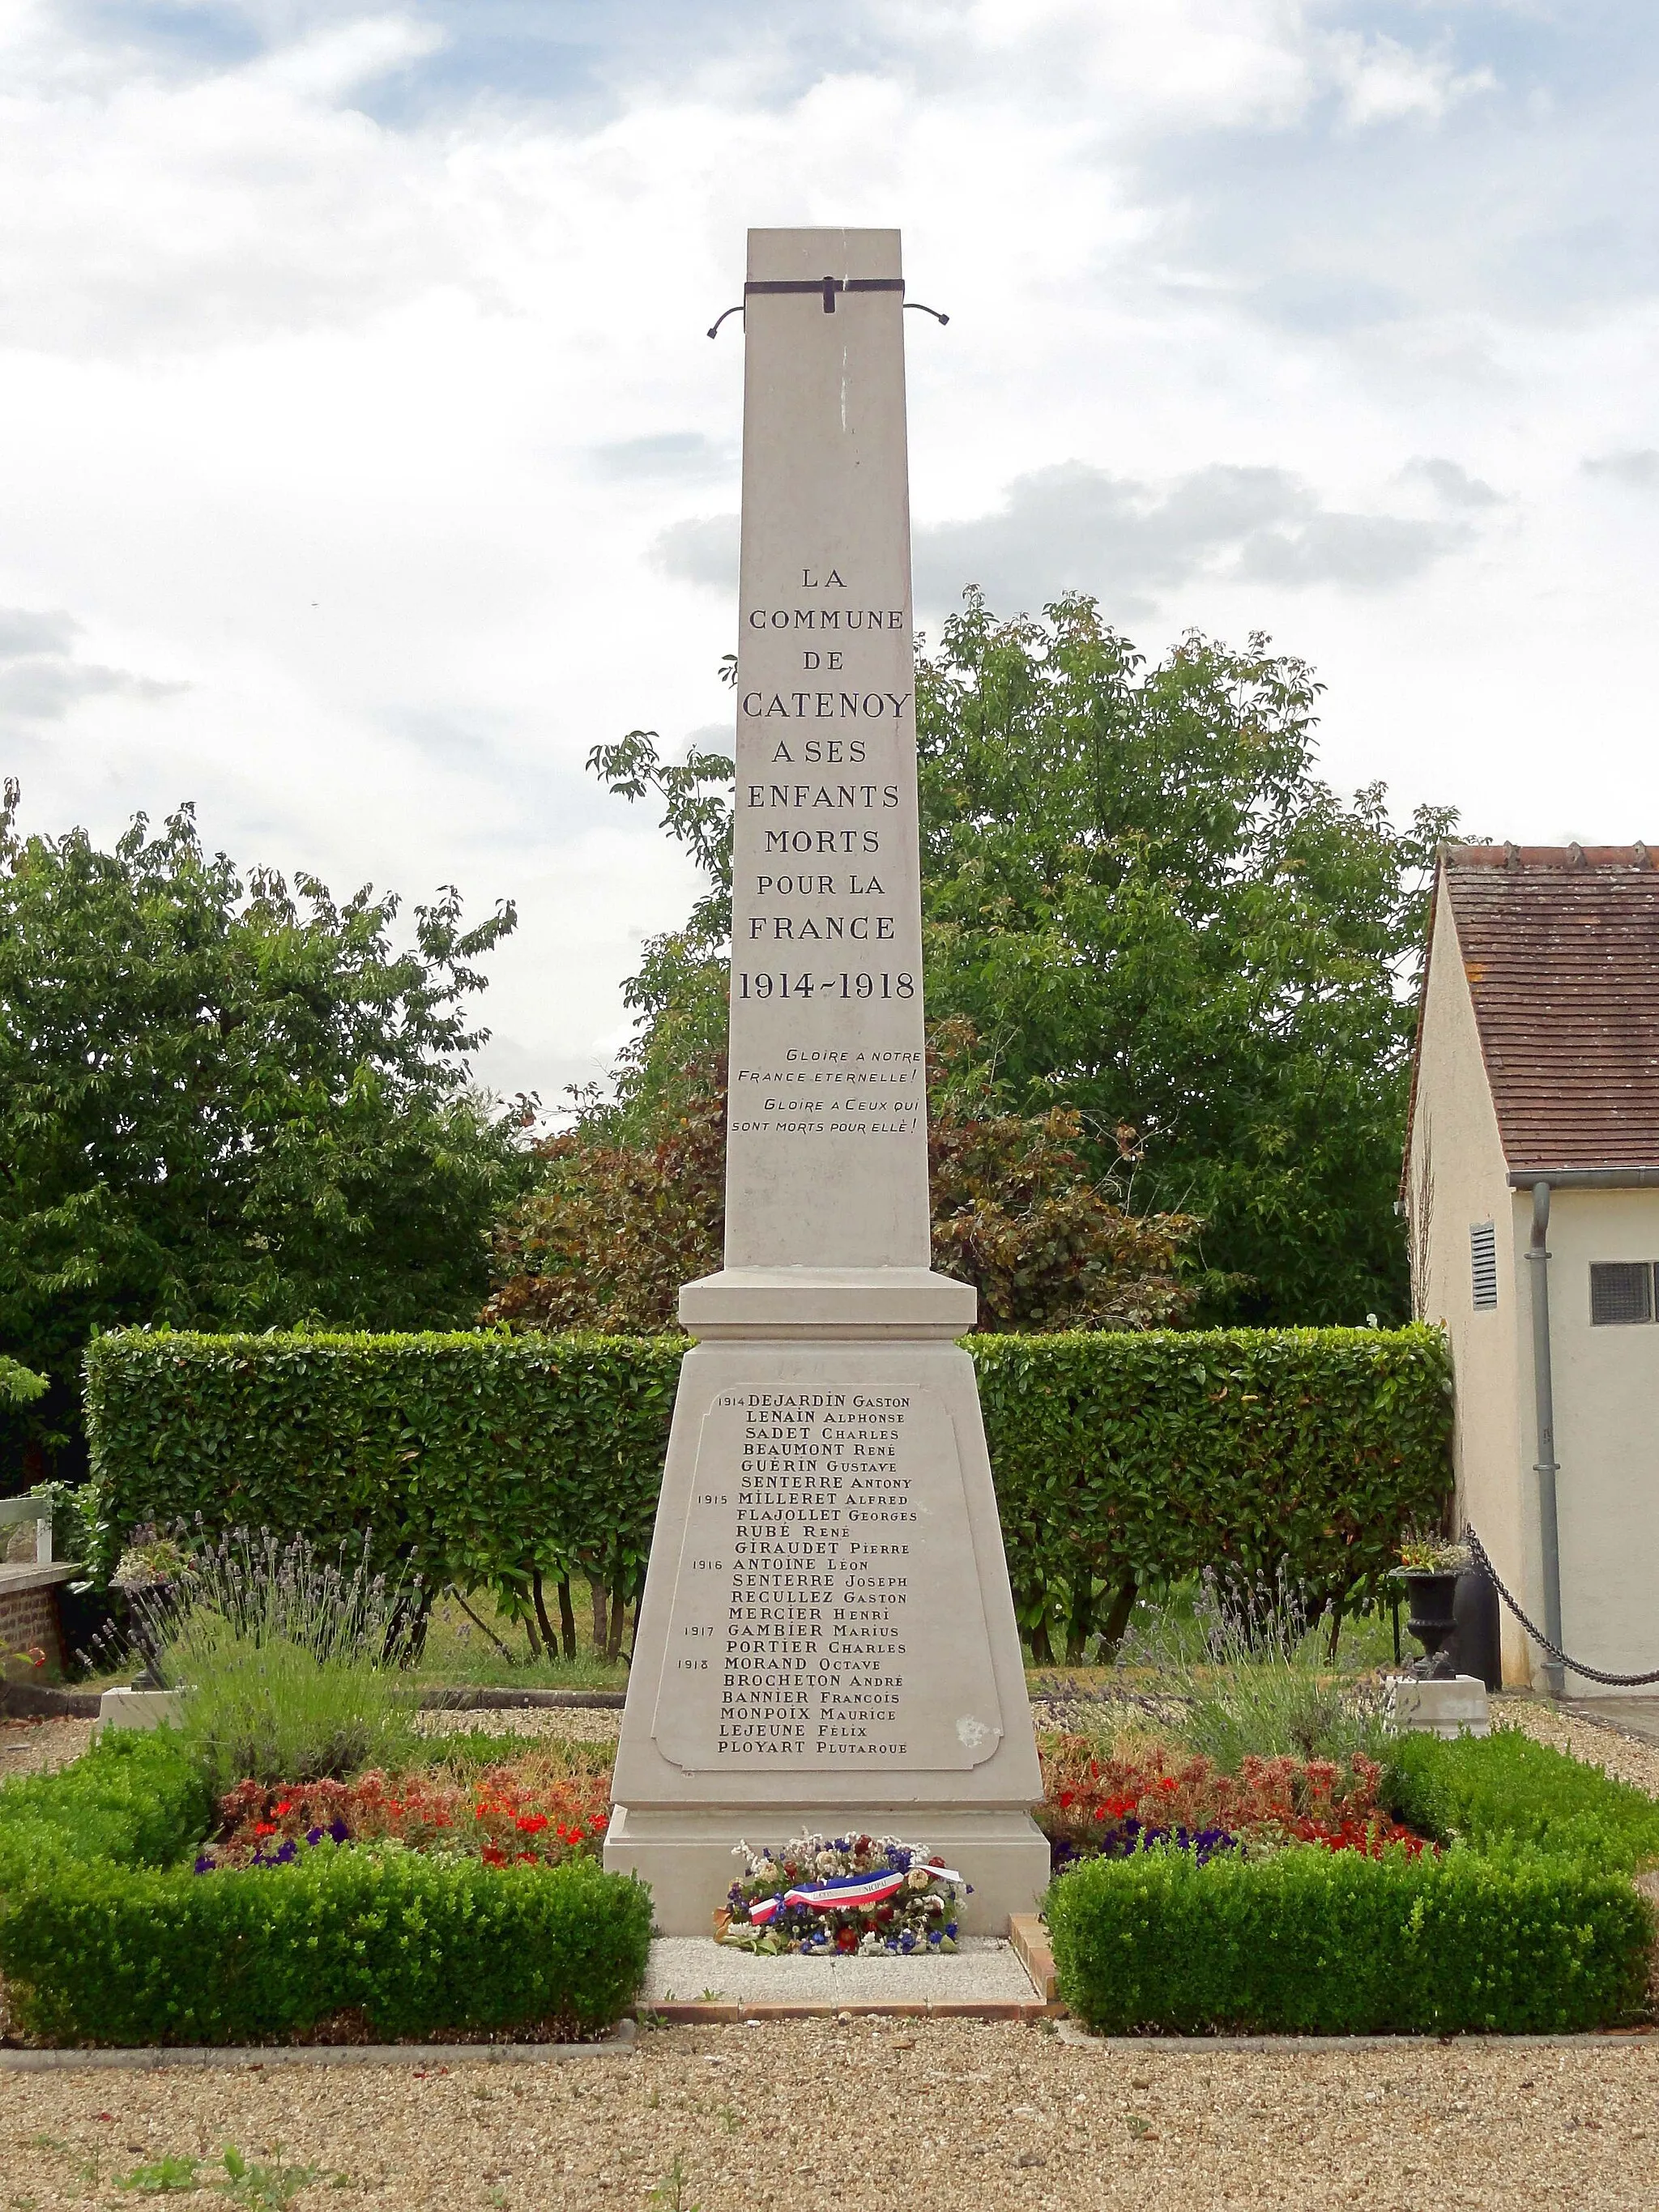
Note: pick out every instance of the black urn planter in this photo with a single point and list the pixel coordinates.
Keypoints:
(1431, 1593)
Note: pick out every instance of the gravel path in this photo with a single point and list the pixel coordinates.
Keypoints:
(34, 1746)
(880, 2114)
(1625, 1757)
(575, 1723)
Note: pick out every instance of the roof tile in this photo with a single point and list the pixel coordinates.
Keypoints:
(1561, 945)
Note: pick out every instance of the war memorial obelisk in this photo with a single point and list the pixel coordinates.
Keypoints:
(827, 1639)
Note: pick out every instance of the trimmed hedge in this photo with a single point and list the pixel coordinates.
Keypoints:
(105, 1955)
(1120, 1458)
(478, 1457)
(1504, 1790)
(1324, 1943)
(135, 1800)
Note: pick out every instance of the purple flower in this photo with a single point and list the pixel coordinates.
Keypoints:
(314, 1835)
(338, 1830)
(206, 1863)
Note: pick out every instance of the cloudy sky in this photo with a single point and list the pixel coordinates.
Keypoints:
(363, 461)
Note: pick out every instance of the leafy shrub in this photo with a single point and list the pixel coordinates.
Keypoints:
(1121, 1458)
(1244, 1665)
(478, 1458)
(1506, 1790)
(1335, 1943)
(135, 1799)
(104, 1956)
(289, 1663)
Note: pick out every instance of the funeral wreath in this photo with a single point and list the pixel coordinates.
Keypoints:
(843, 1894)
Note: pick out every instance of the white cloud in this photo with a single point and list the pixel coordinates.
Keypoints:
(1076, 528)
(1640, 468)
(345, 375)
(1449, 482)
(41, 680)
(1381, 80)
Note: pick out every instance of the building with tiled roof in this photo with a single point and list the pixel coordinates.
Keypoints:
(1531, 1191)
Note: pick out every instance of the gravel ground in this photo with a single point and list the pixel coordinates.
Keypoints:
(1621, 1756)
(575, 1723)
(34, 1746)
(872, 2113)
(882, 2113)
(985, 1970)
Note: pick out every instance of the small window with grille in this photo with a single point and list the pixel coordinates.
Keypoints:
(1483, 1265)
(1620, 1291)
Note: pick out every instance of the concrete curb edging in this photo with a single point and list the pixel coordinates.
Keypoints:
(1595, 2040)
(24, 1701)
(153, 2058)
(670, 2013)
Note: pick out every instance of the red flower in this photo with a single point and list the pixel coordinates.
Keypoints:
(494, 1856)
(532, 1823)
(264, 1827)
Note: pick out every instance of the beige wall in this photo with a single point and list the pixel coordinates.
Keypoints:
(1454, 1141)
(1607, 1438)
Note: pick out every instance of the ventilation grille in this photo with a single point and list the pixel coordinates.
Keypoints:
(1620, 1291)
(1483, 1265)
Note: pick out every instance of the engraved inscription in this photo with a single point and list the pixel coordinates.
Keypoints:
(807, 1631)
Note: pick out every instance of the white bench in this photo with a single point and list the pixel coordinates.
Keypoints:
(15, 1510)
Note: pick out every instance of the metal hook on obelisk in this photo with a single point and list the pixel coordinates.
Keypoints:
(828, 287)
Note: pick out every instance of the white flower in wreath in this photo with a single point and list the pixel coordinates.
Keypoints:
(918, 1878)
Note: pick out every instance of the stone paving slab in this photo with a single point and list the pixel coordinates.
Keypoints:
(984, 1978)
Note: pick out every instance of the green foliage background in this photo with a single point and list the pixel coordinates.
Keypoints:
(485, 1458)
(225, 1102)
(1144, 903)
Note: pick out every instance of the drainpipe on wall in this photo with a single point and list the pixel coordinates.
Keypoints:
(1546, 1466)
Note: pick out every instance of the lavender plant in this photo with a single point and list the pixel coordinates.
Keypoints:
(291, 1663)
(1243, 1673)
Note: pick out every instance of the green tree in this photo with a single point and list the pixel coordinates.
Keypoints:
(616, 1224)
(1154, 911)
(1150, 910)
(228, 1104)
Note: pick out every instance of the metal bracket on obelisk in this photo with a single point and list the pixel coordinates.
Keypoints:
(826, 288)
(827, 1636)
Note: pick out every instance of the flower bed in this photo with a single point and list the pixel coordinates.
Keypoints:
(427, 1904)
(865, 1895)
(1107, 1805)
(501, 1818)
(1517, 1914)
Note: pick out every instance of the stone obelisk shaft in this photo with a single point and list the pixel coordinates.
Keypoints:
(828, 1146)
(827, 1639)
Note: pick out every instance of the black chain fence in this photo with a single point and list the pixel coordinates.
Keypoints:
(1478, 1553)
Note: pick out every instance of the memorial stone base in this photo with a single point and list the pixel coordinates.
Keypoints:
(690, 1859)
(847, 1660)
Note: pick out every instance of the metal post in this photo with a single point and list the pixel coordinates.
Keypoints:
(1546, 1466)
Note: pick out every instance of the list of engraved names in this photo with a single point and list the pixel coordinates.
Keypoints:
(817, 1517)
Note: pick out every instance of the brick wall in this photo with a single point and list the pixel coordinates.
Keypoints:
(29, 1617)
